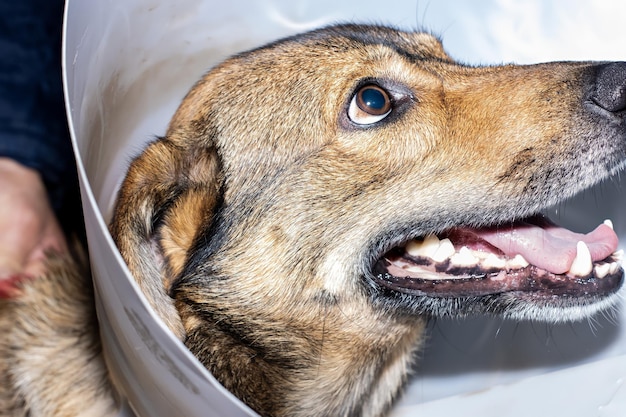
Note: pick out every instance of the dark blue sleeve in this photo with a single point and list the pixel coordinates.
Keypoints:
(33, 127)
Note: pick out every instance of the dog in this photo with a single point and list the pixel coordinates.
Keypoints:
(316, 200)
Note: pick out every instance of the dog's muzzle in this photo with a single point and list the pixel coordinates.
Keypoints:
(531, 255)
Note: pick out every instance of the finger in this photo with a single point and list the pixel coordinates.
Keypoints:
(52, 244)
(10, 264)
(17, 240)
(11, 287)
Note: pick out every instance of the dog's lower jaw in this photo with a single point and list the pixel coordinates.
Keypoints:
(393, 378)
(308, 373)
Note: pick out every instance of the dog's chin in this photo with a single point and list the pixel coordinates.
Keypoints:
(528, 269)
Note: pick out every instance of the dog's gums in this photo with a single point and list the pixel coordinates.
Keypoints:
(531, 255)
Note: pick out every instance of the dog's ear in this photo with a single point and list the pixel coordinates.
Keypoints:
(171, 190)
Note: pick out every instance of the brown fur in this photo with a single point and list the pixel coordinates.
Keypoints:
(51, 361)
(253, 225)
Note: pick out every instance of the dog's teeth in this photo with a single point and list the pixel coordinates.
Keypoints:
(613, 267)
(425, 248)
(609, 223)
(494, 261)
(416, 268)
(464, 258)
(582, 265)
(618, 255)
(518, 262)
(602, 270)
(444, 251)
(414, 248)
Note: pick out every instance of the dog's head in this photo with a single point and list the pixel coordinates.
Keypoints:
(337, 184)
(340, 146)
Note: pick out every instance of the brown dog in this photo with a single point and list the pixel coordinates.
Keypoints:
(314, 201)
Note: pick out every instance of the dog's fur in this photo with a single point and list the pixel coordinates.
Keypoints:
(51, 361)
(254, 225)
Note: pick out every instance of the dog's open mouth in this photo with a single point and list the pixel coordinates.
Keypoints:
(532, 255)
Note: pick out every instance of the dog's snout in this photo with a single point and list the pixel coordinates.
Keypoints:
(610, 87)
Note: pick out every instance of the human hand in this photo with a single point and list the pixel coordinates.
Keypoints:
(28, 226)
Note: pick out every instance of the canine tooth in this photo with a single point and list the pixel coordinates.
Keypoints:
(425, 248)
(582, 265)
(602, 270)
(444, 251)
(494, 261)
(609, 223)
(518, 262)
(613, 267)
(464, 258)
(618, 255)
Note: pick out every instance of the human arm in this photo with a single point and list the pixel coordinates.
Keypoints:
(37, 172)
(28, 226)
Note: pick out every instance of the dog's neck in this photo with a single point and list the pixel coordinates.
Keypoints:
(290, 364)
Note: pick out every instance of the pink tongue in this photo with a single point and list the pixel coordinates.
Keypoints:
(548, 246)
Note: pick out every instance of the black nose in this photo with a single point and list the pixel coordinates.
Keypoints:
(610, 89)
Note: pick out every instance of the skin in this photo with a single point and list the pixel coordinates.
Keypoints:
(28, 226)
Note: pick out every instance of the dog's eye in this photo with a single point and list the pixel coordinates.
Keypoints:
(369, 105)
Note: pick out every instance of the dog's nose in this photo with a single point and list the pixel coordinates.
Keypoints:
(610, 88)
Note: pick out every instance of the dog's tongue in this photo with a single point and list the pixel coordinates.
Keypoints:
(547, 245)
